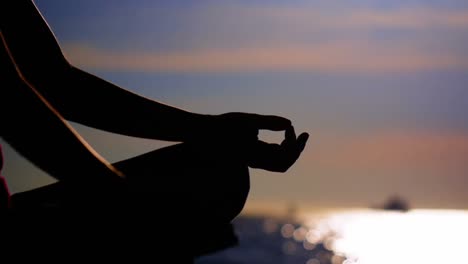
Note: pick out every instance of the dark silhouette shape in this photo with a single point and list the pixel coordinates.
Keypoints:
(393, 203)
(205, 178)
(396, 203)
(4, 192)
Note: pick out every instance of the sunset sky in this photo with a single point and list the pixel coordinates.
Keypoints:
(381, 86)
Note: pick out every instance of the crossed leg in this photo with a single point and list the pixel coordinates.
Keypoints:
(205, 186)
(187, 176)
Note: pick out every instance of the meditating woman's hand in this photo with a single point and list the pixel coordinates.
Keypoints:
(278, 157)
(236, 135)
(244, 127)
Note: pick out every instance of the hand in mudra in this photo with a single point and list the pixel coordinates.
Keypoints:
(240, 130)
(278, 157)
(243, 127)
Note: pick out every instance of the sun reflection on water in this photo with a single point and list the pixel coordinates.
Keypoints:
(381, 237)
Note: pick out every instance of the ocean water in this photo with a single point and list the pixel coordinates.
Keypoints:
(361, 236)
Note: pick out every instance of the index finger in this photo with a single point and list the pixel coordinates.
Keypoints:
(270, 122)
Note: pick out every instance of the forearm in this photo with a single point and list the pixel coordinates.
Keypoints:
(33, 128)
(41, 136)
(94, 102)
(80, 96)
(46, 140)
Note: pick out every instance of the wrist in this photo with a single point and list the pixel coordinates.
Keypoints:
(200, 127)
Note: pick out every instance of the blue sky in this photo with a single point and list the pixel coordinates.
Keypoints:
(379, 85)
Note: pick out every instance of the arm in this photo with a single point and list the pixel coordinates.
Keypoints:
(33, 128)
(84, 98)
(101, 104)
(80, 96)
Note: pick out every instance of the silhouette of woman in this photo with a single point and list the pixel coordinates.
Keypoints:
(4, 192)
(206, 173)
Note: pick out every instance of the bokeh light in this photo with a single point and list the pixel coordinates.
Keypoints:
(300, 234)
(384, 237)
(270, 226)
(287, 230)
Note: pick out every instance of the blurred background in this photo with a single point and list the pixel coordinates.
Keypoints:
(380, 86)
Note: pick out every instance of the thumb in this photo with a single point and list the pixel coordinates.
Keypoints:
(302, 141)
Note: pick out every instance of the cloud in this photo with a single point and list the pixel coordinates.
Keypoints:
(410, 19)
(237, 36)
(440, 153)
(327, 57)
(365, 18)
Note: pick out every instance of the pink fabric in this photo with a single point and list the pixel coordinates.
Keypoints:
(4, 192)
